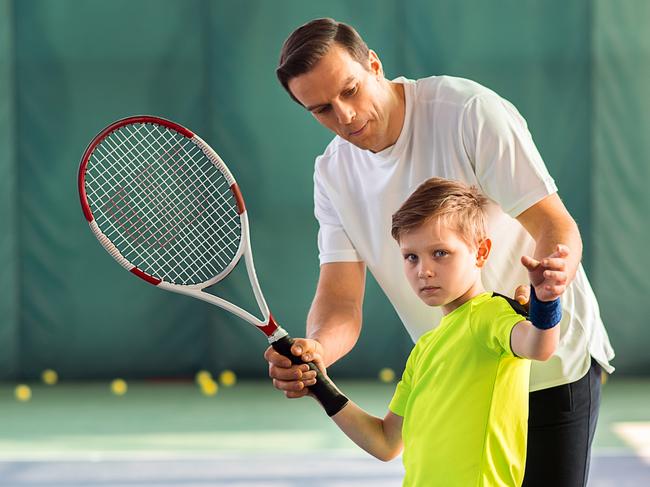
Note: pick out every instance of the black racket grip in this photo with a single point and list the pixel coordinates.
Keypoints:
(327, 394)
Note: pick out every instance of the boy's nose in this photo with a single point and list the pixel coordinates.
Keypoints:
(424, 273)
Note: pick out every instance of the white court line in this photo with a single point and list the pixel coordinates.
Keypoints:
(637, 435)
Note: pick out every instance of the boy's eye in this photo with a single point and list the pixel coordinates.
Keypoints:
(411, 258)
(440, 253)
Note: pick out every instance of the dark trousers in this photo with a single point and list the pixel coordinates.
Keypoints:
(561, 426)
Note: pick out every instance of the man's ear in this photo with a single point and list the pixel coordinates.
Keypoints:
(374, 64)
(483, 251)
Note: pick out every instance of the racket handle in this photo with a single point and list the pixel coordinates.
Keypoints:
(325, 391)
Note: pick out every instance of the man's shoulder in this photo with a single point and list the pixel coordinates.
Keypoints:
(337, 151)
(449, 89)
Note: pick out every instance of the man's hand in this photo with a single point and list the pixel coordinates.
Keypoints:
(294, 380)
(548, 275)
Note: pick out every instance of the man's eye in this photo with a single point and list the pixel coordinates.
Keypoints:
(322, 110)
(351, 91)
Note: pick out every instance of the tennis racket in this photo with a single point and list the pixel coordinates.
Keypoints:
(167, 209)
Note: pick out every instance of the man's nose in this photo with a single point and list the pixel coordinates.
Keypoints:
(344, 113)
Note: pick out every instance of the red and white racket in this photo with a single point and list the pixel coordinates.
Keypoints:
(167, 208)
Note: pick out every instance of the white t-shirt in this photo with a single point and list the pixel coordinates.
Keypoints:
(456, 129)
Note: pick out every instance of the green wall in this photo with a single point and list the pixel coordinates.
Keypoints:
(67, 68)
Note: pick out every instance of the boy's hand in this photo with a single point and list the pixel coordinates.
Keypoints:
(294, 380)
(548, 276)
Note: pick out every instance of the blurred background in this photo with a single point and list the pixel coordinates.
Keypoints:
(578, 72)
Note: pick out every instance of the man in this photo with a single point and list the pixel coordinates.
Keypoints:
(392, 136)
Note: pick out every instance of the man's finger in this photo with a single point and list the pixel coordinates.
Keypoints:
(277, 359)
(288, 385)
(288, 373)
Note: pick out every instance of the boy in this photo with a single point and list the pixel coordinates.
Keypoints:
(461, 407)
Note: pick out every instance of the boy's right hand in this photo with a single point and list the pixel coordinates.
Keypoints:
(294, 380)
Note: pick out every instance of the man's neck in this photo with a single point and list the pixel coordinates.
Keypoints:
(396, 101)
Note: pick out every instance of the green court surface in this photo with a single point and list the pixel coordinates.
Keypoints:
(163, 434)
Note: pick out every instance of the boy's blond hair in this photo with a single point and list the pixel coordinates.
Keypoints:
(457, 205)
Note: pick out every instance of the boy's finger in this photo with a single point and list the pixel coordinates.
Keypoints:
(558, 276)
(556, 264)
(530, 263)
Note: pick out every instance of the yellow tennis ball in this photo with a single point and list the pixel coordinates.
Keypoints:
(209, 387)
(50, 377)
(203, 376)
(119, 387)
(23, 393)
(386, 375)
(227, 378)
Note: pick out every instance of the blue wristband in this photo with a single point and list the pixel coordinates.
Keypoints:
(544, 314)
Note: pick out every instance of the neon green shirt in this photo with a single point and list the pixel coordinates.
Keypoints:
(464, 399)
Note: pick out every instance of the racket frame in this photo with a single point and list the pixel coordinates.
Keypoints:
(324, 390)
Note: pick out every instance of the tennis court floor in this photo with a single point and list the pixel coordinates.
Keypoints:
(162, 434)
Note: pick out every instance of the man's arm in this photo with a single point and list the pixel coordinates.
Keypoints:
(550, 225)
(333, 327)
(335, 316)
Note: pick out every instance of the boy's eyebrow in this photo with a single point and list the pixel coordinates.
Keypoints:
(347, 81)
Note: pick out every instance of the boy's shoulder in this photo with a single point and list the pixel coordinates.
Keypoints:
(502, 302)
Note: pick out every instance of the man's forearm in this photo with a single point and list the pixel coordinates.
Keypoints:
(550, 224)
(335, 327)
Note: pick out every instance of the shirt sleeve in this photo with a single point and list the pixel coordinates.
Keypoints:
(492, 325)
(506, 161)
(403, 389)
(334, 245)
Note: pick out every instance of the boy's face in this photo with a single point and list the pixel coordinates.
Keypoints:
(441, 267)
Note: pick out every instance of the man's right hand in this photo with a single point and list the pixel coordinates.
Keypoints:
(294, 380)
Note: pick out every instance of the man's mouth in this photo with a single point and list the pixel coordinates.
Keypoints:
(357, 132)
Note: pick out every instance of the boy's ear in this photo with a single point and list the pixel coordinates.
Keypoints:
(483, 251)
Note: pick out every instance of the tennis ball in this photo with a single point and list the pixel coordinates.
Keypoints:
(50, 377)
(209, 387)
(386, 375)
(227, 378)
(202, 376)
(23, 393)
(119, 387)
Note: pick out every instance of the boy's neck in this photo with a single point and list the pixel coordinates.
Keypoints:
(476, 289)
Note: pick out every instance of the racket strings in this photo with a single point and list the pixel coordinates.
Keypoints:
(163, 204)
(159, 241)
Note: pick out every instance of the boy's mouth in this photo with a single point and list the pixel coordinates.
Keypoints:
(429, 289)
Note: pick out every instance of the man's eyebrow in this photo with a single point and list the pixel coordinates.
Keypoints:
(311, 108)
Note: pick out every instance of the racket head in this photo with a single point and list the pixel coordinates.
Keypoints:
(162, 202)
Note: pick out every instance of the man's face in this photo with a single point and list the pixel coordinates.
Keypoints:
(441, 267)
(348, 98)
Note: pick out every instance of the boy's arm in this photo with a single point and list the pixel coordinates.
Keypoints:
(538, 338)
(528, 341)
(382, 438)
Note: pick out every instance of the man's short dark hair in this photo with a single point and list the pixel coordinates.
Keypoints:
(310, 42)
